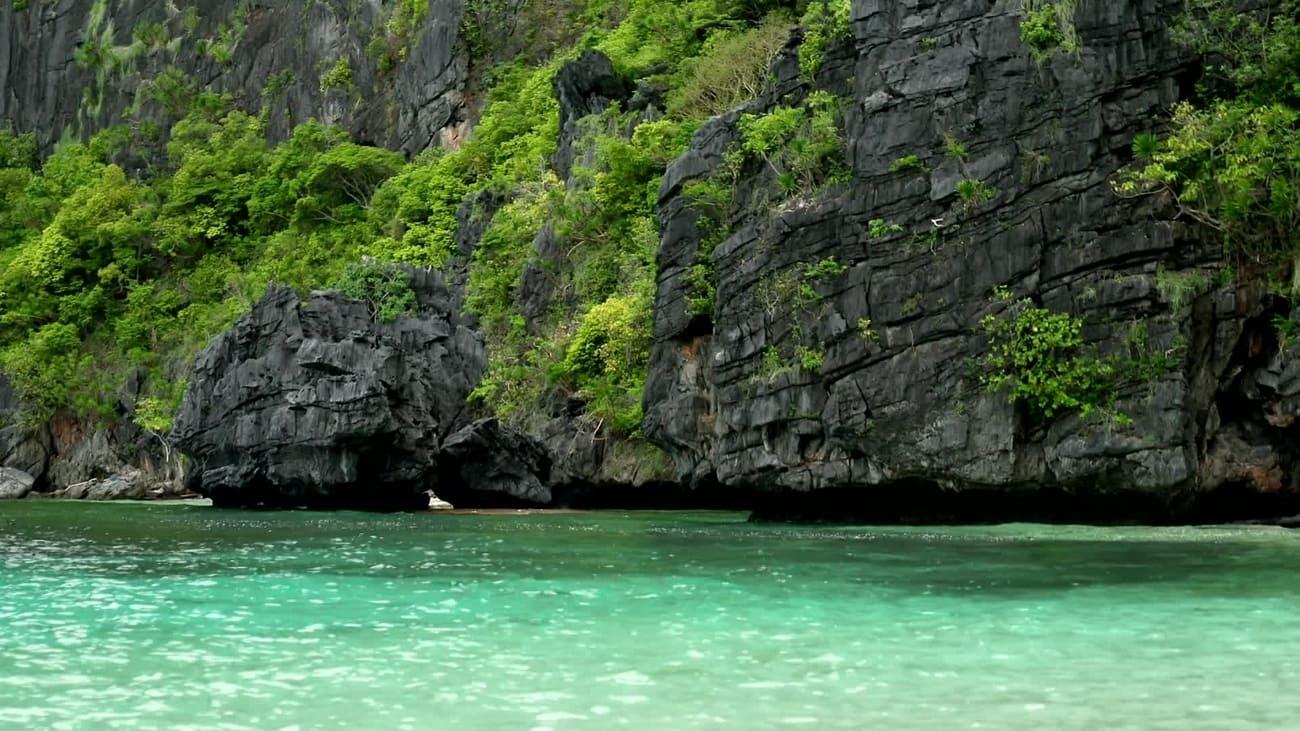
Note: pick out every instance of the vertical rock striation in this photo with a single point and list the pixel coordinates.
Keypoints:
(895, 398)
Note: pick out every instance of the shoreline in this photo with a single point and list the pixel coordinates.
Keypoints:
(1289, 523)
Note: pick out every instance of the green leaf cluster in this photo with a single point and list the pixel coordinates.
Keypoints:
(1231, 159)
(1040, 358)
(825, 23)
(385, 287)
(1048, 28)
(803, 146)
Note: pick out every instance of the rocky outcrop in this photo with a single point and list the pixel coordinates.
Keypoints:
(891, 399)
(130, 484)
(489, 465)
(15, 484)
(78, 65)
(317, 403)
(584, 86)
(67, 451)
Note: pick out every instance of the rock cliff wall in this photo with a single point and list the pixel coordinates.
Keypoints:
(893, 397)
(72, 67)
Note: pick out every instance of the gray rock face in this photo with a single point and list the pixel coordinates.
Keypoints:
(402, 92)
(488, 465)
(130, 484)
(15, 484)
(21, 447)
(316, 403)
(584, 86)
(899, 404)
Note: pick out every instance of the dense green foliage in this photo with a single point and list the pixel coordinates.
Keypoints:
(105, 274)
(1232, 158)
(385, 287)
(803, 145)
(112, 269)
(825, 23)
(1036, 356)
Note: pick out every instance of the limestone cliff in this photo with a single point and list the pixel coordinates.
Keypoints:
(819, 335)
(895, 398)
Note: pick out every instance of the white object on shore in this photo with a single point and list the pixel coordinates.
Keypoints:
(437, 503)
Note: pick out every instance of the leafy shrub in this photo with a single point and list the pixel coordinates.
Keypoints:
(907, 162)
(339, 76)
(51, 371)
(385, 287)
(1049, 28)
(732, 68)
(824, 269)
(608, 358)
(825, 22)
(1037, 357)
(712, 202)
(954, 148)
(810, 358)
(878, 228)
(974, 193)
(1040, 358)
(1233, 162)
(1179, 288)
(867, 331)
(803, 146)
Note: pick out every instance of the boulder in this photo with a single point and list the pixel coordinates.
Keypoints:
(15, 484)
(317, 403)
(488, 465)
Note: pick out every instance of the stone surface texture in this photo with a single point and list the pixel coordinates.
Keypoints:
(315, 402)
(318, 403)
(489, 464)
(403, 92)
(1046, 137)
(15, 484)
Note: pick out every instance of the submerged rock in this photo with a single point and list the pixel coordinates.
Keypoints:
(319, 404)
(15, 484)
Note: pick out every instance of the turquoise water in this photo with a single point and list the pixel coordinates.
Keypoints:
(179, 616)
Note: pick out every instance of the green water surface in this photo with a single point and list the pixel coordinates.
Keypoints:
(141, 616)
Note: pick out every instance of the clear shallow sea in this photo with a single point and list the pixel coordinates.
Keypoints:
(141, 616)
